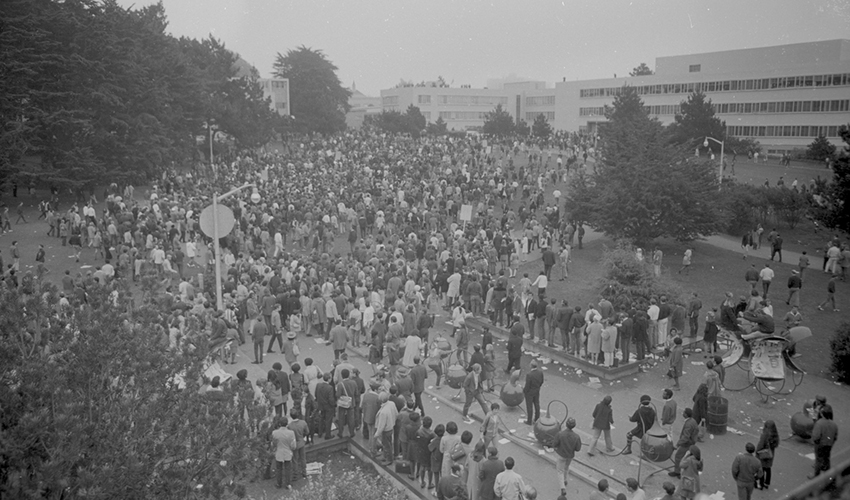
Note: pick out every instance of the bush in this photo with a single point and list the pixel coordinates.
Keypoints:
(840, 349)
(351, 485)
(627, 280)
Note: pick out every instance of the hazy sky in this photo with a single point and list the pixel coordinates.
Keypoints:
(375, 43)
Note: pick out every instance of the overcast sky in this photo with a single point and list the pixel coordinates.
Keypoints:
(375, 43)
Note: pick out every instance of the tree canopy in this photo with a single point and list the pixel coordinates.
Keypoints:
(319, 101)
(92, 93)
(696, 122)
(411, 122)
(641, 70)
(836, 211)
(498, 122)
(97, 405)
(540, 127)
(644, 187)
(820, 149)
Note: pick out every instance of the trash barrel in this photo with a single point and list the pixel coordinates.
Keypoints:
(718, 414)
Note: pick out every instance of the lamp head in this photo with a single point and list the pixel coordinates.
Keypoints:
(705, 143)
(255, 196)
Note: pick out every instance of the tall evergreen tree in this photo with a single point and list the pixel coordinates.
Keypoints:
(498, 122)
(696, 122)
(644, 188)
(319, 101)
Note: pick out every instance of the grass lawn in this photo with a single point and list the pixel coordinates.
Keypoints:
(715, 271)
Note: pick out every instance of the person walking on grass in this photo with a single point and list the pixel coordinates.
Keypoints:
(830, 294)
(686, 262)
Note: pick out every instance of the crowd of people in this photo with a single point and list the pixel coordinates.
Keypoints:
(425, 225)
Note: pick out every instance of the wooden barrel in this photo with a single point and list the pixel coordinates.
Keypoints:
(717, 415)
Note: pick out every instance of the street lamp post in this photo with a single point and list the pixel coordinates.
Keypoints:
(219, 302)
(720, 168)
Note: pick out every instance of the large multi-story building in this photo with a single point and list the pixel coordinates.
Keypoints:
(783, 96)
(278, 90)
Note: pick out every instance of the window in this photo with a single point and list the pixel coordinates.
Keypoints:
(424, 99)
(595, 111)
(389, 100)
(694, 68)
(548, 100)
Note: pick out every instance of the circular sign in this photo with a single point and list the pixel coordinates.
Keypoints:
(225, 217)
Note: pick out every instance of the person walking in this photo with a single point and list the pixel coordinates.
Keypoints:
(824, 435)
(509, 485)
(776, 247)
(473, 390)
(795, 283)
(515, 346)
(746, 470)
(603, 419)
(765, 452)
(830, 294)
(531, 390)
(566, 444)
(490, 425)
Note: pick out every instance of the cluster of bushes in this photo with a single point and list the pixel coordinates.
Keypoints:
(351, 485)
(627, 280)
(745, 206)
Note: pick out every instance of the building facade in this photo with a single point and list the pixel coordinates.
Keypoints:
(278, 90)
(782, 96)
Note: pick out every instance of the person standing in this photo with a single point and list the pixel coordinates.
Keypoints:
(803, 264)
(676, 362)
(326, 404)
(487, 474)
(549, 260)
(824, 435)
(603, 419)
(766, 275)
(609, 342)
(258, 334)
(694, 307)
(473, 389)
(418, 375)
(665, 310)
(299, 458)
(668, 412)
(566, 444)
(348, 400)
(490, 425)
(692, 465)
(687, 438)
(285, 443)
(657, 257)
(776, 247)
(509, 485)
(515, 346)
(531, 390)
(830, 294)
(384, 423)
(765, 452)
(746, 470)
(449, 484)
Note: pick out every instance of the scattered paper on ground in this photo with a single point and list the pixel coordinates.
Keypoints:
(504, 441)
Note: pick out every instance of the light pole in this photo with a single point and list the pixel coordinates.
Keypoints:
(255, 197)
(720, 168)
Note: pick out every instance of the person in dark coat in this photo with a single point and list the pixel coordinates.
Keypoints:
(326, 403)
(701, 403)
(765, 452)
(644, 417)
(487, 473)
(603, 419)
(515, 346)
(533, 383)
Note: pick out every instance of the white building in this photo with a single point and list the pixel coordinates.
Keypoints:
(783, 96)
(278, 90)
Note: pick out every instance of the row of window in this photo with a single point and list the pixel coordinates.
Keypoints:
(808, 81)
(594, 111)
(472, 100)
(531, 115)
(783, 107)
(543, 100)
(663, 109)
(389, 100)
(782, 130)
(462, 115)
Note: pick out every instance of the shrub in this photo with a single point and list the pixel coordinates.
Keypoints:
(840, 349)
(350, 485)
(628, 280)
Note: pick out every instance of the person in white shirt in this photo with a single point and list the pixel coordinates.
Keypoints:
(509, 485)
(541, 283)
(766, 275)
(634, 489)
(653, 312)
